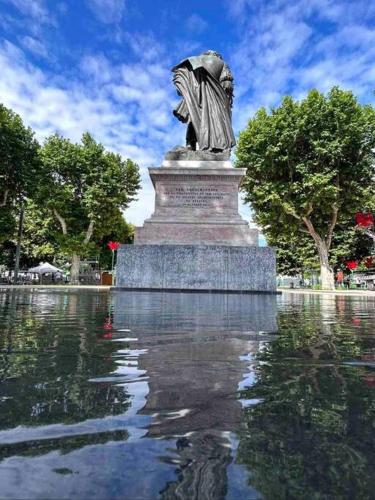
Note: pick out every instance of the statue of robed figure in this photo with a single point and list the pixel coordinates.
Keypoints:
(205, 83)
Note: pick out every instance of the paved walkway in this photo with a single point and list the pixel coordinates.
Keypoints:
(348, 293)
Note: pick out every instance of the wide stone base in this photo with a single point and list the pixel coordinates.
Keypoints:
(196, 267)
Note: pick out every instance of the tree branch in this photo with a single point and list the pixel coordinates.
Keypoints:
(5, 198)
(332, 226)
(310, 226)
(89, 232)
(310, 209)
(61, 220)
(290, 210)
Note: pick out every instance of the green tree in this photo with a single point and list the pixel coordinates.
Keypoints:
(20, 168)
(41, 239)
(310, 165)
(39, 242)
(84, 188)
(296, 252)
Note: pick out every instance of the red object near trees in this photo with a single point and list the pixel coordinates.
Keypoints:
(369, 262)
(113, 245)
(364, 220)
(352, 264)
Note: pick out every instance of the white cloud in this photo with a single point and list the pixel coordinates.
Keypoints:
(34, 46)
(34, 15)
(107, 11)
(32, 8)
(196, 24)
(97, 67)
(145, 47)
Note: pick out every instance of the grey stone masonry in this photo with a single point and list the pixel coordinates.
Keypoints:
(196, 203)
(197, 267)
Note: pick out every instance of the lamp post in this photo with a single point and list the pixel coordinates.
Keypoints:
(113, 245)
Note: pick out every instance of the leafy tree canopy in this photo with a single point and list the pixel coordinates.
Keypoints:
(84, 188)
(310, 166)
(20, 167)
(85, 185)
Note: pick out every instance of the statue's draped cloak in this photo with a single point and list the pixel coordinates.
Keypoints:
(206, 105)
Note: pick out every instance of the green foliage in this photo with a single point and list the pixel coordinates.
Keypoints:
(85, 185)
(349, 244)
(305, 160)
(39, 241)
(79, 186)
(42, 237)
(7, 223)
(20, 167)
(296, 252)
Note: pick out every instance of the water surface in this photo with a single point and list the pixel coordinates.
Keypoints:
(165, 395)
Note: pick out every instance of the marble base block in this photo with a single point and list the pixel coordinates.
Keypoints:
(196, 267)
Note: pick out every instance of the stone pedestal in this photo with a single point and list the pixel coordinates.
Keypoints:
(209, 268)
(196, 203)
(196, 239)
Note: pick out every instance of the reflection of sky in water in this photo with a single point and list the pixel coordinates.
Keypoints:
(157, 394)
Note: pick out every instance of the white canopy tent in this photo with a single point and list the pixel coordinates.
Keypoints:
(44, 268)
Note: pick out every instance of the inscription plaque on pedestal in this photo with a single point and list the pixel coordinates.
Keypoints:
(179, 195)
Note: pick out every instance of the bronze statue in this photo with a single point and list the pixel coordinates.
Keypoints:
(205, 83)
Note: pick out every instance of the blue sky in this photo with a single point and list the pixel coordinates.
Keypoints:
(104, 65)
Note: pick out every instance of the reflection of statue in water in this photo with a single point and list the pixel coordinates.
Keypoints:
(194, 365)
(205, 83)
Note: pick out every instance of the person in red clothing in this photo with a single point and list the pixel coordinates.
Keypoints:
(339, 277)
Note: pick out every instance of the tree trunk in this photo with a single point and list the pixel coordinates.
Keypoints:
(5, 198)
(18, 248)
(74, 269)
(323, 246)
(326, 271)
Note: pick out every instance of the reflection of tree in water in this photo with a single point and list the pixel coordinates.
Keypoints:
(45, 364)
(313, 435)
(65, 444)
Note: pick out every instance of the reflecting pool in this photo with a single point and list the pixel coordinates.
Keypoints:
(140, 395)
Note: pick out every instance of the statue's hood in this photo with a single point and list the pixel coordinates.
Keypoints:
(213, 64)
